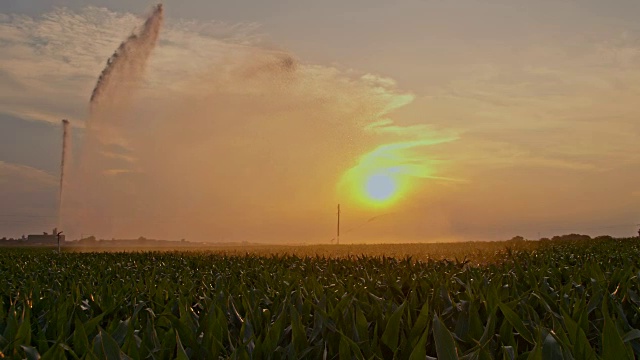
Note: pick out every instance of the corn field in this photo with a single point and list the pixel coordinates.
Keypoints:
(558, 300)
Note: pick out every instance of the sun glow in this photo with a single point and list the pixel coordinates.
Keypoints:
(376, 186)
(388, 174)
(381, 187)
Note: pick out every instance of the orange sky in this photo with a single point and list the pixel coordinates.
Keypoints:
(493, 125)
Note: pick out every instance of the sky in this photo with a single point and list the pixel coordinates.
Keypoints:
(426, 120)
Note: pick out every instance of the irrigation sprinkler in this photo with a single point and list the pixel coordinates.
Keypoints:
(58, 236)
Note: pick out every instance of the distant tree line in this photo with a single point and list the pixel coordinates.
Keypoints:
(567, 237)
(23, 238)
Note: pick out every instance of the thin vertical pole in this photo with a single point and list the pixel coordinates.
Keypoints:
(338, 227)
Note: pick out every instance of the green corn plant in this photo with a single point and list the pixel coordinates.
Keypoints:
(530, 300)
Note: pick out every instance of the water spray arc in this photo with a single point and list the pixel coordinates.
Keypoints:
(128, 62)
(63, 160)
(110, 103)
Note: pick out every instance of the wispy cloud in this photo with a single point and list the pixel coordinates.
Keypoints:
(50, 63)
(24, 178)
(558, 104)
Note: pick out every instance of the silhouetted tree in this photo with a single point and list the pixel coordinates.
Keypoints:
(572, 237)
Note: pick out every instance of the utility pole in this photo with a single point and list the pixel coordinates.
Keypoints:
(338, 227)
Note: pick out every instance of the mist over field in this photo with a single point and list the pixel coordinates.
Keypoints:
(252, 146)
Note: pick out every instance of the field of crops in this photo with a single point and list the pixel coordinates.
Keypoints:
(563, 300)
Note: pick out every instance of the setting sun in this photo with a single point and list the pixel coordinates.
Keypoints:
(376, 187)
(381, 187)
(388, 174)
